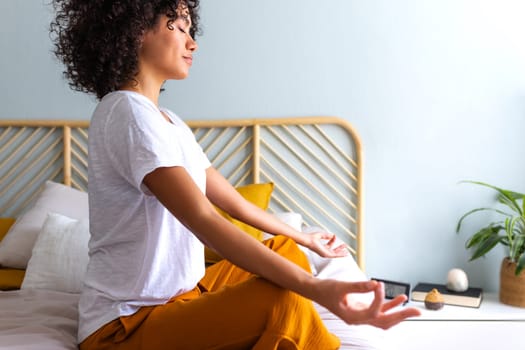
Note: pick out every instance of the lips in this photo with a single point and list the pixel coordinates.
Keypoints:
(188, 59)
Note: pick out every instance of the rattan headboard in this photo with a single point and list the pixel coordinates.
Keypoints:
(315, 164)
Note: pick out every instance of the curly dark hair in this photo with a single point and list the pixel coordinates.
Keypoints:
(98, 40)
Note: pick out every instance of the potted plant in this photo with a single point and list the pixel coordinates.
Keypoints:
(509, 230)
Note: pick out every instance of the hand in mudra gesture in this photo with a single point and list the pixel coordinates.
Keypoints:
(336, 296)
(325, 244)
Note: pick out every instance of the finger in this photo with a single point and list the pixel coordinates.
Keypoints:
(337, 254)
(411, 312)
(370, 313)
(379, 297)
(331, 240)
(361, 287)
(341, 250)
(323, 250)
(324, 235)
(386, 321)
(398, 300)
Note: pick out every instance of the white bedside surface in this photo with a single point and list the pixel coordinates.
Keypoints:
(491, 326)
(490, 310)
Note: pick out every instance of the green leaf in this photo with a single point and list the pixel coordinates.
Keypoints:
(520, 225)
(516, 248)
(505, 196)
(482, 235)
(485, 246)
(516, 195)
(520, 264)
(505, 241)
(460, 221)
(511, 203)
(509, 229)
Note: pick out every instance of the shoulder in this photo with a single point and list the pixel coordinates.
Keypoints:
(176, 120)
(125, 108)
(129, 104)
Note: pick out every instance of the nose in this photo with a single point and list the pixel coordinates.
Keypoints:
(191, 44)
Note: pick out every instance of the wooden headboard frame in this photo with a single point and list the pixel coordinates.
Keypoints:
(314, 162)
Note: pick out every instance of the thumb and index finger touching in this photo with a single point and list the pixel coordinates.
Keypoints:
(377, 310)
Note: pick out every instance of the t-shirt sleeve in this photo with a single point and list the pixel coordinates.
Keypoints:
(139, 140)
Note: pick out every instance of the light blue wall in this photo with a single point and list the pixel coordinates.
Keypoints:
(436, 89)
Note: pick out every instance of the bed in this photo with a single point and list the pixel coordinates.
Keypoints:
(314, 163)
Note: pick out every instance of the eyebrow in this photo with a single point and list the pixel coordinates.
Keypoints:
(185, 17)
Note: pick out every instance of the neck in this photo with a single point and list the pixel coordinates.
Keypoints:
(147, 87)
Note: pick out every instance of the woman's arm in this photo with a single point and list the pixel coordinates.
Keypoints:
(178, 193)
(221, 193)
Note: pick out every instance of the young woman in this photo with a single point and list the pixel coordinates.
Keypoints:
(151, 191)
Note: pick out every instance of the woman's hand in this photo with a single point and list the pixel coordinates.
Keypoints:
(325, 244)
(336, 296)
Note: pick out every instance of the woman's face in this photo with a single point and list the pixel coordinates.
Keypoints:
(167, 49)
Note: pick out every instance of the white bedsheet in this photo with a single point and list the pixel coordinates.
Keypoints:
(47, 320)
(38, 319)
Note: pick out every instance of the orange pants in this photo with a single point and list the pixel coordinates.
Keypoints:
(229, 309)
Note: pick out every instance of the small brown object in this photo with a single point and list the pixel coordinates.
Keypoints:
(434, 300)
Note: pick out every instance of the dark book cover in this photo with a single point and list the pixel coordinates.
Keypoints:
(471, 297)
(472, 292)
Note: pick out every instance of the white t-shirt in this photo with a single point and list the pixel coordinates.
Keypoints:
(140, 254)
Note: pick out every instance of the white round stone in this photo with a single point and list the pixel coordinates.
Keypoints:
(457, 280)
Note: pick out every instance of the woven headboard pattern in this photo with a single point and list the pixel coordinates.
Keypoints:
(315, 164)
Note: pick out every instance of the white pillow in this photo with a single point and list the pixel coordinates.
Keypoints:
(15, 248)
(293, 219)
(344, 268)
(60, 255)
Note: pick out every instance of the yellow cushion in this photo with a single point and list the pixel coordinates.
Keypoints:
(9, 278)
(5, 224)
(258, 194)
